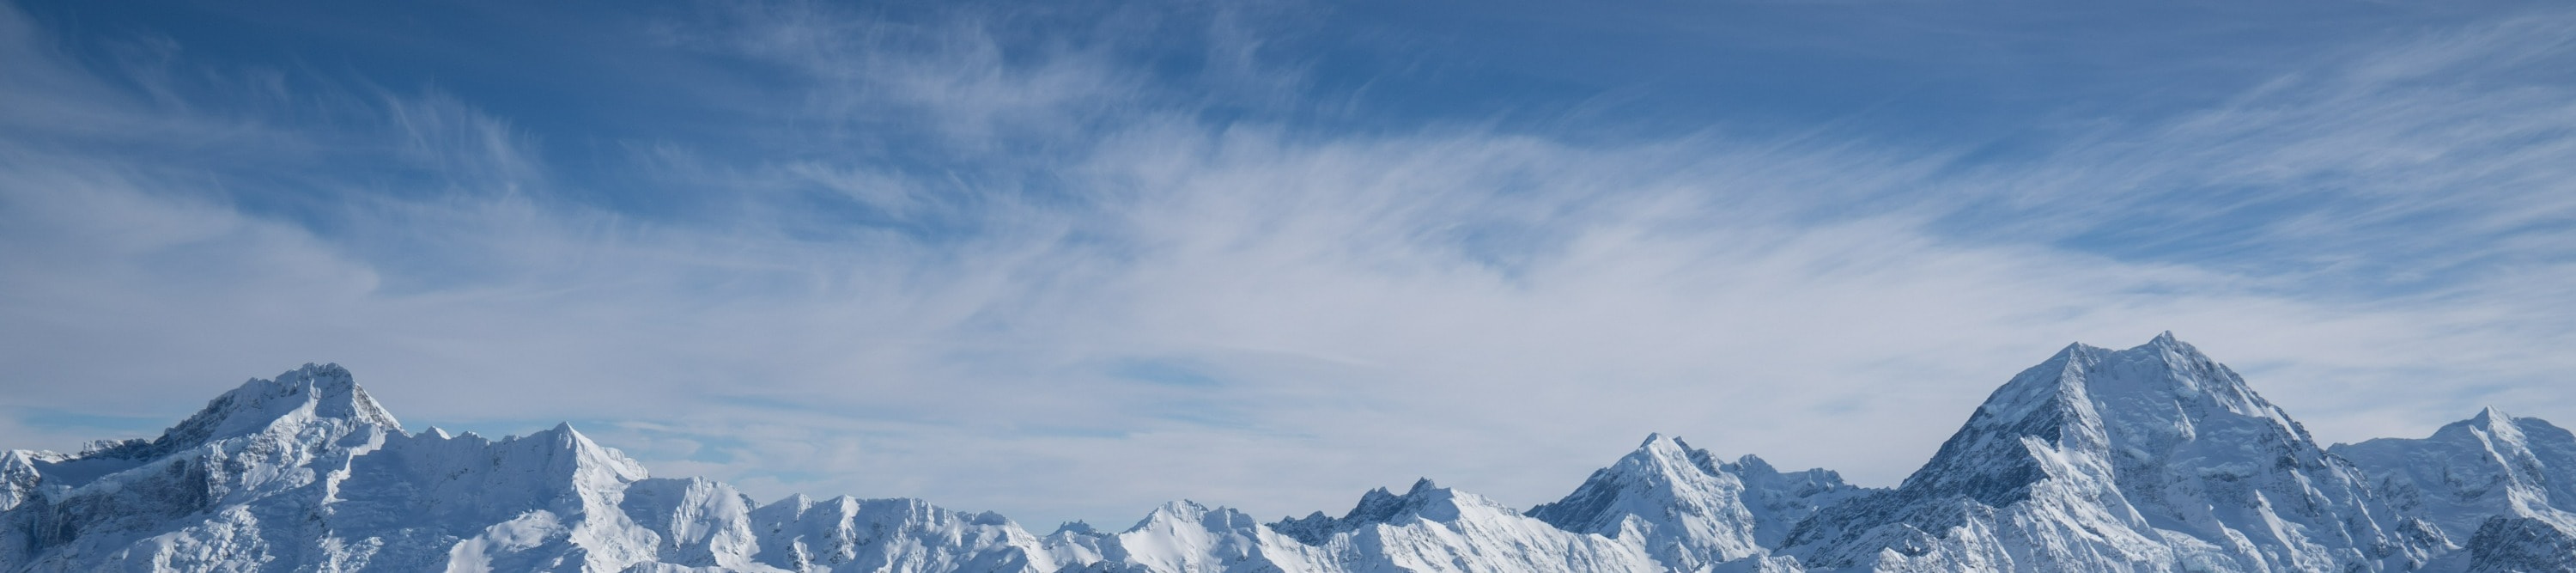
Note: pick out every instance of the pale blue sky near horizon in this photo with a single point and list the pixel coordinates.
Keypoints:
(1071, 260)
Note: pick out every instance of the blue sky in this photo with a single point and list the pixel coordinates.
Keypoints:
(1071, 260)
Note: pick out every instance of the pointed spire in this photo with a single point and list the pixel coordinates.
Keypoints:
(1651, 438)
(1075, 527)
(336, 394)
(1664, 449)
(2497, 424)
(562, 435)
(2167, 342)
(2489, 417)
(313, 393)
(1421, 485)
(1753, 463)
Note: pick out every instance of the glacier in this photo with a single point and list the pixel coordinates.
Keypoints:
(2153, 458)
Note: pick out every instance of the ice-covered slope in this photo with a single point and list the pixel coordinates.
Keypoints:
(896, 535)
(1425, 529)
(2153, 458)
(1781, 500)
(1431, 528)
(1685, 516)
(2504, 487)
(244, 480)
(1690, 512)
(306, 473)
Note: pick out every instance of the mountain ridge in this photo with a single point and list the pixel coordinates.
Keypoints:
(2152, 458)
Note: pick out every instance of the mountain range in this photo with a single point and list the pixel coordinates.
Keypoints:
(2153, 458)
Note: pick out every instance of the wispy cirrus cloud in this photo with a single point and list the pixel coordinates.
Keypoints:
(1000, 264)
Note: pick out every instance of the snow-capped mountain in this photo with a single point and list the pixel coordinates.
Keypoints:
(2154, 458)
(1689, 512)
(2499, 485)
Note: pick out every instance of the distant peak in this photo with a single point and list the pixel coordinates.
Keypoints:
(2490, 416)
(2146, 397)
(1379, 505)
(1421, 485)
(1752, 462)
(1075, 527)
(2492, 422)
(95, 447)
(335, 392)
(1377, 497)
(1658, 445)
(313, 392)
(1175, 512)
(1426, 500)
(2169, 343)
(564, 436)
(2163, 364)
(2163, 342)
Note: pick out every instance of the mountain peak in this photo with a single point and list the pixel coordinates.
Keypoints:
(2150, 398)
(2489, 417)
(2162, 378)
(1425, 499)
(1753, 463)
(1421, 486)
(309, 394)
(1667, 491)
(2148, 438)
(1075, 527)
(2491, 427)
(2490, 465)
(1175, 509)
(2146, 458)
(1380, 505)
(2174, 347)
(2074, 349)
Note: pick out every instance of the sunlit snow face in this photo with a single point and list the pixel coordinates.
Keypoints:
(1070, 262)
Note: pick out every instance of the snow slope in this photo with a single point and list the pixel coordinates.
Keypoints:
(2153, 458)
(2504, 487)
(1689, 512)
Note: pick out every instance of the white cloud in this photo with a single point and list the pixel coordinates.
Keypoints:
(1502, 312)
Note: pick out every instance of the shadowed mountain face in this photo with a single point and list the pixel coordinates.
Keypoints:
(2153, 458)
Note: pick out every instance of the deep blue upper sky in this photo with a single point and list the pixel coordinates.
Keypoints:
(1070, 259)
